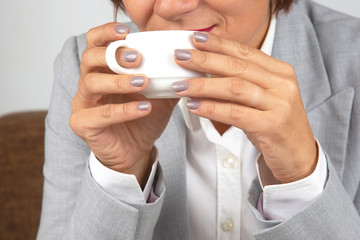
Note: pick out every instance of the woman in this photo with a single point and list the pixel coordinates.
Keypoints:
(149, 169)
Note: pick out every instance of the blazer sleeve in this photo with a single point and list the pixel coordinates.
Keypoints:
(332, 215)
(74, 206)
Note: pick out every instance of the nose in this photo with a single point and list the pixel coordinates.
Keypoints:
(173, 9)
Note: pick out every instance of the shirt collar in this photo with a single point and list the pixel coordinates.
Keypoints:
(268, 43)
(191, 120)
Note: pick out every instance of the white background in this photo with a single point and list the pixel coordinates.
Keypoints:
(33, 32)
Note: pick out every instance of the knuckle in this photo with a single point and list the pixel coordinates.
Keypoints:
(289, 71)
(236, 86)
(244, 50)
(79, 85)
(125, 109)
(85, 56)
(89, 83)
(211, 108)
(199, 86)
(291, 89)
(74, 123)
(73, 104)
(118, 82)
(204, 59)
(106, 111)
(89, 35)
(236, 113)
(236, 65)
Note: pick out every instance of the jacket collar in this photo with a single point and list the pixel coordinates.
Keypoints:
(329, 113)
(296, 43)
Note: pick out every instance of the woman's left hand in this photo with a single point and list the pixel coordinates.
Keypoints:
(256, 93)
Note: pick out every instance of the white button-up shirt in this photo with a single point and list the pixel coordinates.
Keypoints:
(220, 170)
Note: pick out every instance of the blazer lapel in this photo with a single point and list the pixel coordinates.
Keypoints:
(296, 43)
(172, 157)
(329, 115)
(330, 123)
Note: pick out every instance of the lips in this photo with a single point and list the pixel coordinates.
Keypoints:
(209, 29)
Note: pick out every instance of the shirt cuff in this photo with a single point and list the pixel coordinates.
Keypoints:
(121, 186)
(282, 201)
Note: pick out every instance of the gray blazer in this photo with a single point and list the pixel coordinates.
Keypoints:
(324, 48)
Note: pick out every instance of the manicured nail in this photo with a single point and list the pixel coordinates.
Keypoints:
(137, 81)
(193, 104)
(130, 56)
(121, 29)
(143, 106)
(201, 37)
(180, 86)
(182, 55)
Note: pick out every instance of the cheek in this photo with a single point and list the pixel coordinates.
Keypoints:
(232, 7)
(139, 11)
(244, 19)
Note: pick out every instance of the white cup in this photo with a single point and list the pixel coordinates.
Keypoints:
(158, 63)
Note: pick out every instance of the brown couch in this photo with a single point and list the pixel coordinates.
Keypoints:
(21, 179)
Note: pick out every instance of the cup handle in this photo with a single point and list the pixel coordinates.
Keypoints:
(111, 59)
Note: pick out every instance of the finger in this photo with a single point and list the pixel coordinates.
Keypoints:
(95, 84)
(245, 118)
(227, 66)
(229, 89)
(94, 58)
(214, 43)
(90, 121)
(104, 34)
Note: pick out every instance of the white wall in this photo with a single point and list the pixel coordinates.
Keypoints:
(351, 7)
(33, 32)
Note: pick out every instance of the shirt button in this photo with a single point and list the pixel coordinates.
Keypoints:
(228, 162)
(227, 225)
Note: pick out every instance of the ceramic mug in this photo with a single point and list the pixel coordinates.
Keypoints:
(157, 63)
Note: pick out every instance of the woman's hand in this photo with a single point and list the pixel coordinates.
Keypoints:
(256, 93)
(119, 125)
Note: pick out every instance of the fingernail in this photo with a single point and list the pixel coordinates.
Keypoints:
(182, 55)
(193, 104)
(121, 29)
(143, 106)
(180, 86)
(137, 81)
(201, 37)
(130, 56)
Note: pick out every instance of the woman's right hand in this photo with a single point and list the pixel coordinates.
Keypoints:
(119, 125)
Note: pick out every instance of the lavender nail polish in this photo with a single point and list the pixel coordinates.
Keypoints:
(130, 56)
(182, 54)
(193, 104)
(137, 81)
(143, 106)
(180, 86)
(201, 37)
(121, 29)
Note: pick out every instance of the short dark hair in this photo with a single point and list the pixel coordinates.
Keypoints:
(277, 5)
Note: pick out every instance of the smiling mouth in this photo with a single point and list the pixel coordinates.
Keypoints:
(209, 29)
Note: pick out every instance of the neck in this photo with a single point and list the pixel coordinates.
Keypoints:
(257, 40)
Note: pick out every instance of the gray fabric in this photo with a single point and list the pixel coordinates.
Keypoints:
(324, 48)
